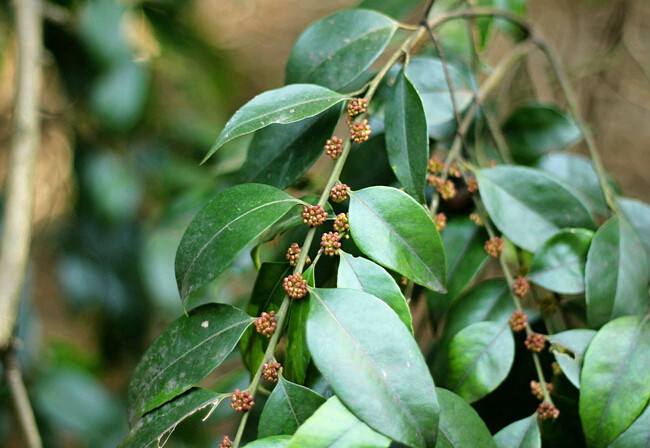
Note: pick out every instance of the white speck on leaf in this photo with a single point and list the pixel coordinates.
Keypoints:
(205, 324)
(292, 110)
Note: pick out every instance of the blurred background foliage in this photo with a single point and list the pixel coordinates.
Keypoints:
(135, 94)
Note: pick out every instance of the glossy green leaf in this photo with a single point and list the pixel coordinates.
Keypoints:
(153, 430)
(523, 433)
(637, 435)
(460, 426)
(637, 213)
(288, 406)
(559, 264)
(223, 229)
(337, 49)
(185, 353)
(270, 442)
(392, 229)
(616, 273)
(578, 174)
(534, 130)
(298, 355)
(333, 425)
(364, 275)
(615, 379)
(428, 77)
(528, 205)
(407, 140)
(279, 154)
(291, 219)
(398, 10)
(373, 356)
(463, 242)
(480, 358)
(569, 349)
(266, 296)
(280, 106)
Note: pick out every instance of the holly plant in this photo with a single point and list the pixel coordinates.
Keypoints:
(446, 275)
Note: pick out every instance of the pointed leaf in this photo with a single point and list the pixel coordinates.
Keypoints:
(523, 433)
(281, 153)
(185, 353)
(280, 106)
(528, 205)
(223, 229)
(288, 406)
(559, 264)
(460, 426)
(616, 274)
(337, 49)
(637, 435)
(155, 428)
(396, 232)
(615, 379)
(364, 275)
(637, 213)
(407, 140)
(569, 349)
(373, 356)
(332, 425)
(480, 358)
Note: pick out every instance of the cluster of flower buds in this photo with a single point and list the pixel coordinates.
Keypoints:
(518, 321)
(494, 246)
(342, 223)
(536, 389)
(521, 287)
(295, 286)
(241, 401)
(293, 253)
(270, 371)
(313, 215)
(477, 219)
(547, 411)
(472, 185)
(446, 189)
(360, 131)
(440, 221)
(357, 107)
(334, 147)
(535, 342)
(454, 171)
(330, 243)
(435, 165)
(339, 193)
(266, 324)
(225, 442)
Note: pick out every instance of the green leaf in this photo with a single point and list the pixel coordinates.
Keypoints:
(270, 442)
(337, 49)
(569, 348)
(332, 425)
(534, 130)
(223, 229)
(615, 379)
(373, 356)
(153, 430)
(178, 359)
(523, 433)
(392, 229)
(637, 435)
(460, 426)
(280, 106)
(463, 242)
(407, 140)
(279, 154)
(266, 296)
(288, 406)
(298, 355)
(364, 275)
(559, 265)
(637, 214)
(528, 205)
(480, 358)
(616, 273)
(578, 174)
(399, 10)
(428, 77)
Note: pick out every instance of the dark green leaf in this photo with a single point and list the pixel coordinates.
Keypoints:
(637, 214)
(523, 433)
(279, 154)
(480, 358)
(463, 242)
(287, 408)
(616, 273)
(534, 130)
(270, 442)
(428, 76)
(578, 174)
(368, 164)
(637, 435)
(153, 430)
(185, 353)
(372, 356)
(407, 140)
(335, 50)
(395, 231)
(615, 379)
(569, 348)
(280, 106)
(332, 425)
(297, 350)
(460, 426)
(528, 205)
(223, 229)
(559, 265)
(398, 10)
(364, 275)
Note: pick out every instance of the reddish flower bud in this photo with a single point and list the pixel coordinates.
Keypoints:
(295, 286)
(446, 189)
(266, 324)
(313, 215)
(435, 165)
(494, 246)
(241, 401)
(270, 371)
(357, 107)
(440, 221)
(518, 321)
(536, 389)
(454, 171)
(225, 442)
(535, 342)
(547, 411)
(339, 193)
(360, 131)
(521, 287)
(472, 185)
(330, 243)
(334, 147)
(477, 219)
